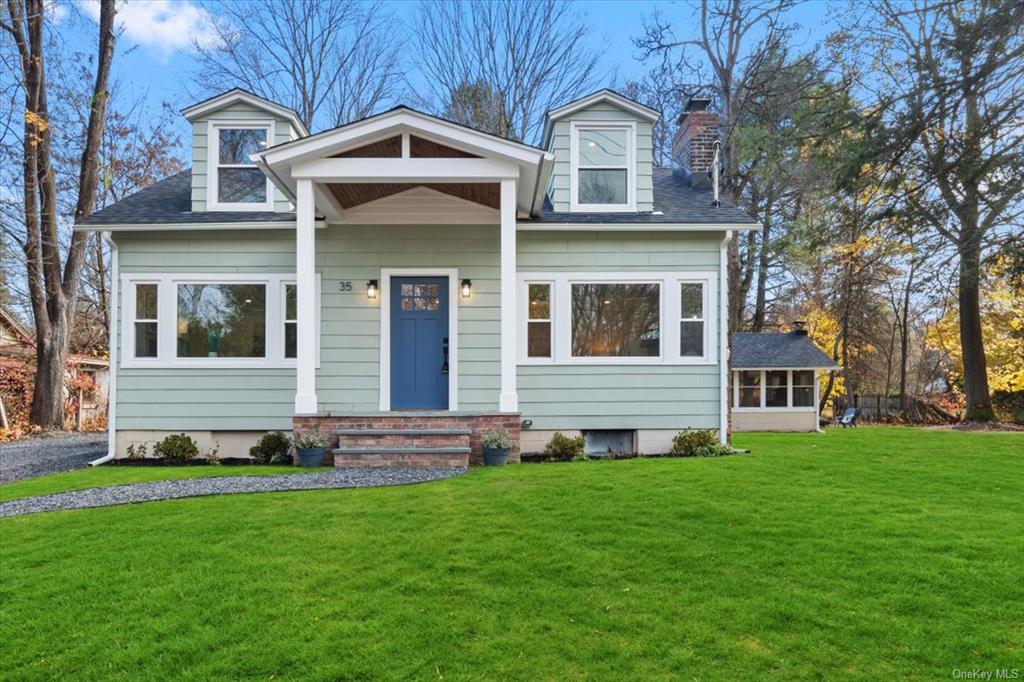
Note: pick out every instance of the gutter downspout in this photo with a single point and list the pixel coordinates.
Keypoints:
(723, 341)
(113, 341)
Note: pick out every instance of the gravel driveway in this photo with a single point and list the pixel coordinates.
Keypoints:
(47, 454)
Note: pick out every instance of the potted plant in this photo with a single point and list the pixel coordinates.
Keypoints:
(310, 447)
(497, 446)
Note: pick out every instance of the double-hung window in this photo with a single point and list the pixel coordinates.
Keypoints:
(603, 173)
(144, 326)
(617, 318)
(691, 321)
(235, 182)
(538, 325)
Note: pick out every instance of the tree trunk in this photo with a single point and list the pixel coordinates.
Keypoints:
(762, 266)
(48, 389)
(979, 403)
(905, 338)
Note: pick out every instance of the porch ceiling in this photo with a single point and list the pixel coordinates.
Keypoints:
(349, 195)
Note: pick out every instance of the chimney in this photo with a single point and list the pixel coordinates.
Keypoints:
(799, 328)
(693, 148)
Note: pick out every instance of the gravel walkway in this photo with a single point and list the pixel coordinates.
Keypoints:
(49, 454)
(220, 485)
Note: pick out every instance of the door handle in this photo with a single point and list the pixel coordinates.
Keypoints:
(444, 347)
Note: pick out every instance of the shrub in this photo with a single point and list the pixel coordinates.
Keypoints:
(497, 439)
(176, 447)
(1009, 405)
(310, 439)
(272, 448)
(562, 448)
(136, 451)
(698, 443)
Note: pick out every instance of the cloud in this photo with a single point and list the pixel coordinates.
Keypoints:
(166, 25)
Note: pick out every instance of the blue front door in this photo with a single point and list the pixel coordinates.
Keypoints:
(419, 343)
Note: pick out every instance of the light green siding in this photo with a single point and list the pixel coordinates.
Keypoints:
(619, 396)
(205, 399)
(348, 379)
(283, 132)
(560, 146)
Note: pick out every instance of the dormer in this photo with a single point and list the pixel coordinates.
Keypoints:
(603, 155)
(226, 131)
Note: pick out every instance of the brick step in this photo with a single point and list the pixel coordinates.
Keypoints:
(403, 432)
(401, 457)
(401, 450)
(404, 441)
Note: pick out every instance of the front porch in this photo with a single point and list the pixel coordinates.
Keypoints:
(404, 173)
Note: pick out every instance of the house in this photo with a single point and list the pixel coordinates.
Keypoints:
(89, 397)
(408, 283)
(775, 381)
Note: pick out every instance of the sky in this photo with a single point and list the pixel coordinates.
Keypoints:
(154, 53)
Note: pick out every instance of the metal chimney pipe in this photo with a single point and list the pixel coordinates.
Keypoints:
(714, 173)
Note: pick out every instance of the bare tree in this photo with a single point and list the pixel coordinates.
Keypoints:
(734, 36)
(532, 55)
(333, 61)
(53, 288)
(659, 88)
(948, 83)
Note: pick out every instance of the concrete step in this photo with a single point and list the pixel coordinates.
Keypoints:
(401, 450)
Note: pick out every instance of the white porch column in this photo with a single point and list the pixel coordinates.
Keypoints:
(305, 284)
(508, 401)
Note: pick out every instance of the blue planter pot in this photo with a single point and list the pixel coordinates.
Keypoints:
(311, 457)
(496, 457)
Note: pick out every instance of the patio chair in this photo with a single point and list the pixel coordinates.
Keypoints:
(849, 417)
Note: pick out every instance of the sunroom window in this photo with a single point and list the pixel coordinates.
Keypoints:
(611, 319)
(222, 320)
(803, 388)
(750, 388)
(239, 182)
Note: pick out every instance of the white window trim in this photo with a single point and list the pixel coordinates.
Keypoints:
(561, 316)
(764, 393)
(574, 166)
(524, 314)
(213, 164)
(129, 319)
(167, 319)
(385, 330)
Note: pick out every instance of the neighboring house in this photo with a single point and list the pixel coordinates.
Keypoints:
(403, 272)
(775, 381)
(90, 399)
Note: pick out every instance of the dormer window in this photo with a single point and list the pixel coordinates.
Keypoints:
(603, 167)
(236, 183)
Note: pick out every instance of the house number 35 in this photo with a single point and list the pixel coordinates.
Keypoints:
(344, 286)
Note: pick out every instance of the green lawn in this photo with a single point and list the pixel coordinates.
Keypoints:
(862, 554)
(93, 477)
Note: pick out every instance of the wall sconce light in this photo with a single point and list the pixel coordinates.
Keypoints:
(371, 289)
(467, 288)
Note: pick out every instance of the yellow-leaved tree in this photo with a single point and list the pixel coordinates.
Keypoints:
(1002, 327)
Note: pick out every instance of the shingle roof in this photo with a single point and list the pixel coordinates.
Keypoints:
(170, 201)
(675, 201)
(782, 350)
